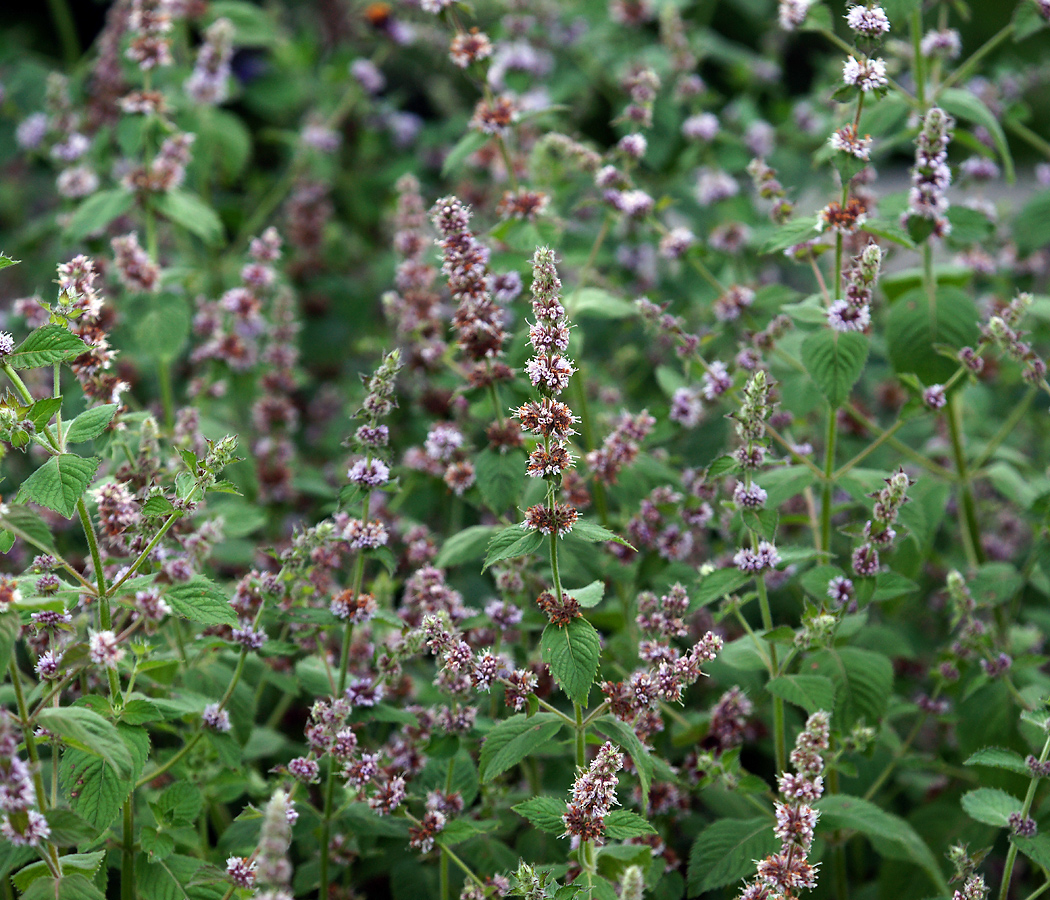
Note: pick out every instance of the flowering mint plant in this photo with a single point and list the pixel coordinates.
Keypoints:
(587, 451)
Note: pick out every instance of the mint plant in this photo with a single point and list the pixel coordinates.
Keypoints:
(590, 450)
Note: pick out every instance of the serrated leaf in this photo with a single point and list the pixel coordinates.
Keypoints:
(176, 877)
(464, 546)
(67, 828)
(180, 803)
(789, 234)
(72, 863)
(6, 261)
(157, 505)
(716, 585)
(890, 835)
(624, 736)
(1035, 848)
(1027, 20)
(513, 739)
(90, 423)
(835, 361)
(512, 542)
(470, 143)
(622, 825)
(96, 212)
(60, 482)
(95, 791)
(595, 533)
(811, 692)
(46, 346)
(40, 413)
(726, 850)
(571, 652)
(863, 683)
(913, 327)
(991, 806)
(459, 830)
(500, 478)
(544, 813)
(69, 887)
(589, 596)
(88, 731)
(967, 105)
(200, 600)
(998, 758)
(724, 465)
(158, 844)
(192, 213)
(163, 331)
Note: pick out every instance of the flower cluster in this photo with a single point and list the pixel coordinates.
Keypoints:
(930, 176)
(593, 796)
(878, 530)
(208, 83)
(853, 311)
(781, 875)
(22, 823)
(1003, 329)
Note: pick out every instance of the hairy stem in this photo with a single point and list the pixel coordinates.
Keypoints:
(1026, 808)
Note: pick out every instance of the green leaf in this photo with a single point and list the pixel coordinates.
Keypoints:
(176, 877)
(625, 737)
(95, 791)
(991, 806)
(571, 653)
(6, 261)
(162, 332)
(716, 585)
(789, 234)
(40, 413)
(513, 739)
(544, 813)
(180, 804)
(726, 851)
(594, 533)
(1031, 226)
(253, 26)
(46, 346)
(60, 482)
(158, 844)
(88, 731)
(84, 863)
(67, 828)
(25, 519)
(967, 105)
(999, 758)
(863, 683)
(90, 423)
(890, 835)
(96, 212)
(589, 596)
(511, 542)
(68, 887)
(157, 505)
(500, 478)
(1035, 848)
(913, 328)
(200, 600)
(459, 830)
(10, 625)
(596, 303)
(191, 212)
(622, 825)
(471, 142)
(835, 361)
(1027, 20)
(464, 546)
(811, 692)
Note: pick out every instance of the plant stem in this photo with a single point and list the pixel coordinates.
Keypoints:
(963, 72)
(1030, 137)
(779, 740)
(1011, 855)
(66, 27)
(141, 558)
(829, 480)
(968, 510)
(581, 753)
(1007, 428)
(127, 855)
(867, 451)
(839, 856)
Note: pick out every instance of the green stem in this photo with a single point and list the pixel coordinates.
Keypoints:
(1007, 428)
(66, 27)
(839, 856)
(141, 558)
(867, 451)
(829, 480)
(1030, 137)
(462, 865)
(29, 539)
(127, 855)
(964, 71)
(27, 731)
(919, 62)
(779, 739)
(968, 509)
(581, 753)
(1011, 855)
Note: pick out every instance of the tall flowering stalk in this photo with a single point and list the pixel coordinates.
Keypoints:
(781, 875)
